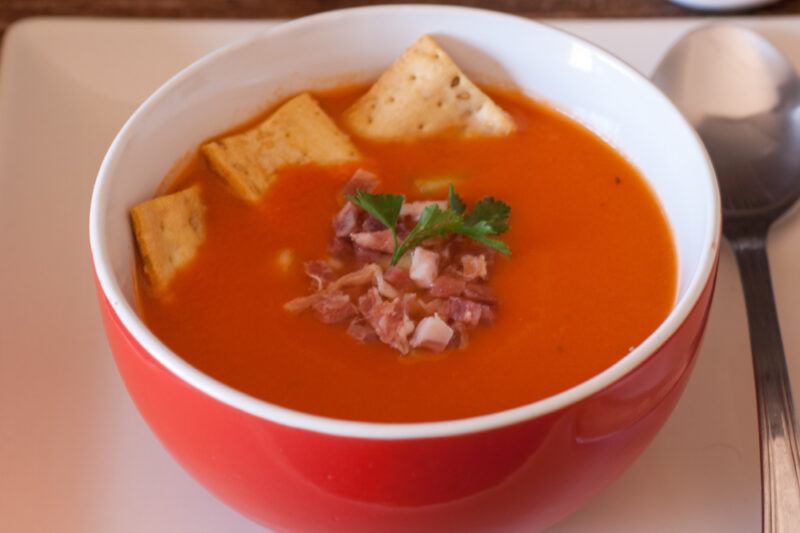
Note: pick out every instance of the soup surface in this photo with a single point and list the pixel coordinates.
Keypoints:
(593, 273)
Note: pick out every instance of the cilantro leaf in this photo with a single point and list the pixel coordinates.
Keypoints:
(491, 211)
(384, 207)
(432, 222)
(455, 201)
(488, 217)
(478, 232)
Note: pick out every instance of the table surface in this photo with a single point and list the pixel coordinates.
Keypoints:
(75, 457)
(11, 10)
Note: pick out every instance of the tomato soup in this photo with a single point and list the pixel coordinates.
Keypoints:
(593, 272)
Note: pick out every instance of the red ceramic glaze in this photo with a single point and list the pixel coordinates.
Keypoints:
(520, 469)
(532, 473)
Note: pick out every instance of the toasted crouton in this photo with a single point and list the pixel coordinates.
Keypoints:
(424, 93)
(169, 230)
(298, 133)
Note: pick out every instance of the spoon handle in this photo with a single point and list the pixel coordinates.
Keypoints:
(780, 461)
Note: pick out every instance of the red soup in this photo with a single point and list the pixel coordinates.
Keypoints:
(591, 275)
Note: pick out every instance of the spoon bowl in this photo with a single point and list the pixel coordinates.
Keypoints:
(743, 97)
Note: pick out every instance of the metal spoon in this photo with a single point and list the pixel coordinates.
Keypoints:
(743, 97)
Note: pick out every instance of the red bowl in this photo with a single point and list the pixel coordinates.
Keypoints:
(522, 468)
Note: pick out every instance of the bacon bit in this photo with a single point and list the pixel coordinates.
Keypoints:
(364, 276)
(432, 333)
(424, 267)
(379, 241)
(384, 288)
(414, 209)
(404, 262)
(406, 305)
(359, 277)
(480, 293)
(487, 315)
(346, 220)
(398, 277)
(319, 271)
(460, 338)
(411, 305)
(360, 330)
(388, 319)
(368, 273)
(362, 180)
(298, 305)
(446, 286)
(431, 306)
(365, 257)
(474, 267)
(372, 224)
(334, 307)
(340, 247)
(461, 310)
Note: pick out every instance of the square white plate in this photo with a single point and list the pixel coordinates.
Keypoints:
(74, 454)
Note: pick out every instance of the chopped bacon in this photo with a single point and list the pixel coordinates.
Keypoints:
(480, 293)
(487, 315)
(446, 286)
(379, 241)
(388, 318)
(334, 307)
(424, 267)
(416, 307)
(346, 220)
(301, 303)
(412, 307)
(429, 300)
(360, 330)
(461, 310)
(432, 333)
(362, 180)
(358, 277)
(460, 336)
(384, 287)
(366, 275)
(372, 224)
(398, 277)
(340, 247)
(414, 209)
(431, 306)
(364, 257)
(319, 271)
(459, 246)
(474, 267)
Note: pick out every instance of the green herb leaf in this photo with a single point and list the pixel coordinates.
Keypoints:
(456, 203)
(384, 207)
(488, 217)
(432, 222)
(493, 212)
(477, 233)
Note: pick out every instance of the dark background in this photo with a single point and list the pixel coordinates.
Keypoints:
(11, 10)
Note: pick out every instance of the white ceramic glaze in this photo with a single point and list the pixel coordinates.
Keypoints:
(235, 82)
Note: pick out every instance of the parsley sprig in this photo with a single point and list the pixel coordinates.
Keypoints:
(487, 217)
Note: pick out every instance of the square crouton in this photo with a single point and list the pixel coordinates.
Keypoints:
(424, 93)
(169, 230)
(298, 133)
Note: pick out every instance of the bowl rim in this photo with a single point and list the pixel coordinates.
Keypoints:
(135, 327)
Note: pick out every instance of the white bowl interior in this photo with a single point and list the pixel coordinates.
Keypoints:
(233, 84)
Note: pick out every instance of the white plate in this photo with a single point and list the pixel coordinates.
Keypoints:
(74, 454)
